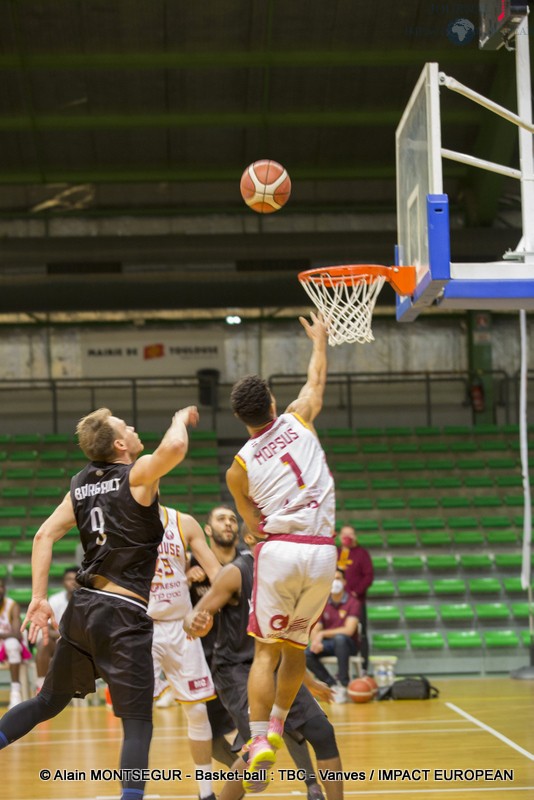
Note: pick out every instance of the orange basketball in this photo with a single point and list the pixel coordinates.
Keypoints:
(265, 186)
(361, 690)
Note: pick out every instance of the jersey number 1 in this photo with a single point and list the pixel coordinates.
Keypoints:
(286, 459)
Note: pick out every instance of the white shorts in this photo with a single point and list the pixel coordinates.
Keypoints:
(292, 581)
(183, 662)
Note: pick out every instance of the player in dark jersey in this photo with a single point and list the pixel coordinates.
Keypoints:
(105, 630)
(233, 654)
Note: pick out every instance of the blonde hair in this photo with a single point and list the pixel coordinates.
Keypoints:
(96, 435)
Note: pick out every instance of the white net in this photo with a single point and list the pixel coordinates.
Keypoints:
(346, 305)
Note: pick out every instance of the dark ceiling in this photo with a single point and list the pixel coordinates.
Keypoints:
(125, 126)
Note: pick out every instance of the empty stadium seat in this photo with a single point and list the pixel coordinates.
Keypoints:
(501, 639)
(383, 613)
(442, 562)
(492, 611)
(420, 613)
(456, 612)
(464, 640)
(389, 641)
(428, 640)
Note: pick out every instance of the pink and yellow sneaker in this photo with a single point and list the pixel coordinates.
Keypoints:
(260, 760)
(275, 733)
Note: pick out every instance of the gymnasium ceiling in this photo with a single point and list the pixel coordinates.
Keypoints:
(125, 126)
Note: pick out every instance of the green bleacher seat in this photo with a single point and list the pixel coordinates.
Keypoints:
(380, 563)
(14, 491)
(513, 586)
(509, 480)
(365, 525)
(405, 539)
(416, 483)
(461, 522)
(464, 640)
(439, 464)
(206, 488)
(178, 472)
(521, 610)
(203, 452)
(427, 430)
(370, 540)
(477, 482)
(380, 466)
(409, 563)
(5, 548)
(501, 639)
(501, 537)
(24, 455)
(435, 538)
(525, 638)
(54, 455)
(349, 466)
(447, 482)
(422, 502)
(471, 463)
(505, 561)
(358, 504)
(49, 491)
(485, 611)
(478, 561)
(57, 570)
(21, 571)
(446, 586)
(26, 438)
(514, 500)
(420, 613)
(10, 531)
(50, 473)
(19, 474)
(502, 463)
(404, 447)
(343, 449)
(397, 524)
(57, 438)
(456, 612)
(389, 641)
(414, 586)
(21, 596)
(201, 436)
(442, 562)
(411, 465)
(381, 588)
(42, 511)
(433, 447)
(23, 547)
(174, 489)
(201, 508)
(428, 640)
(5, 438)
(429, 523)
(202, 470)
(378, 614)
(398, 431)
(487, 501)
(338, 433)
(12, 512)
(493, 445)
(495, 522)
(371, 448)
(353, 485)
(3, 571)
(467, 538)
(485, 586)
(457, 430)
(455, 501)
(383, 484)
(390, 503)
(486, 428)
(369, 432)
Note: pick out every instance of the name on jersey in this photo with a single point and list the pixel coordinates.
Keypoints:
(169, 549)
(90, 489)
(277, 444)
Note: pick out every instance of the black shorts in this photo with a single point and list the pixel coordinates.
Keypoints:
(231, 685)
(108, 636)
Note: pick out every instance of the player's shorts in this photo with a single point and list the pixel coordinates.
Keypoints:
(24, 652)
(109, 636)
(183, 662)
(231, 685)
(292, 581)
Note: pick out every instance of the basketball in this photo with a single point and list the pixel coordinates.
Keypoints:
(361, 690)
(265, 186)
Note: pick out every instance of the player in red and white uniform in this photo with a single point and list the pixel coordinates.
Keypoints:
(284, 491)
(182, 658)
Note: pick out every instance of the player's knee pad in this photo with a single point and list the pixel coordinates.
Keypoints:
(13, 650)
(198, 724)
(319, 732)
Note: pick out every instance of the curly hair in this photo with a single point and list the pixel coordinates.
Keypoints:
(96, 435)
(251, 400)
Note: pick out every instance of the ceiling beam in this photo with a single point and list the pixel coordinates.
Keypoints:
(183, 59)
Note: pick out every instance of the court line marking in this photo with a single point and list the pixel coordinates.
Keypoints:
(492, 731)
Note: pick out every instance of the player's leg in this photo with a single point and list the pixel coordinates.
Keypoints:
(21, 719)
(319, 732)
(199, 734)
(299, 752)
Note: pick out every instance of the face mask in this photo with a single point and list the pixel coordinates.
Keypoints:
(337, 586)
(347, 541)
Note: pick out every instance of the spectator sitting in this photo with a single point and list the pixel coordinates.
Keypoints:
(12, 647)
(357, 565)
(58, 603)
(336, 634)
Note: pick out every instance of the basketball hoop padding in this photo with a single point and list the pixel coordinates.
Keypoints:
(346, 295)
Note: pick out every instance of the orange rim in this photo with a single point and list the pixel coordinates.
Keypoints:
(401, 278)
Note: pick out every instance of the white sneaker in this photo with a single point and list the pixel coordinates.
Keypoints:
(166, 698)
(15, 698)
(341, 694)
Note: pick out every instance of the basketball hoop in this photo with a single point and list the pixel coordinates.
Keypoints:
(346, 296)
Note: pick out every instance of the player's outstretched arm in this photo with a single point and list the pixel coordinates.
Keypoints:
(310, 400)
(225, 586)
(172, 449)
(39, 612)
(194, 537)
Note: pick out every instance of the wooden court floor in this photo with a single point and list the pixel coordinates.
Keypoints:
(436, 747)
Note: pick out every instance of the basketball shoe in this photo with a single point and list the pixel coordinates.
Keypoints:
(260, 759)
(275, 733)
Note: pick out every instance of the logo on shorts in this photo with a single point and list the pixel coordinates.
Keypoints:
(279, 622)
(197, 684)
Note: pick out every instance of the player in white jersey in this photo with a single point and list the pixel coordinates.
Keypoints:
(182, 658)
(284, 491)
(12, 647)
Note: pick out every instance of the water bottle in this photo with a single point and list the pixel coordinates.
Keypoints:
(381, 675)
(390, 675)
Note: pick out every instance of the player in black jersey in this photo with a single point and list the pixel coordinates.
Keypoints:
(233, 654)
(105, 630)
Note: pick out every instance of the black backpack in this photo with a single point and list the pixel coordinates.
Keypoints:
(416, 687)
